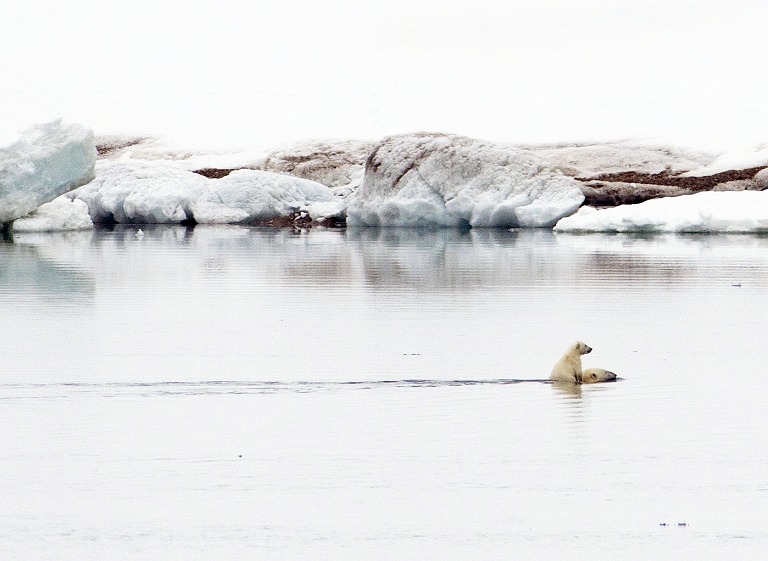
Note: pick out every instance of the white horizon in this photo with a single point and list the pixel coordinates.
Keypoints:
(260, 75)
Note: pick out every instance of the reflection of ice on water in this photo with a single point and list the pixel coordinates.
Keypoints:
(31, 273)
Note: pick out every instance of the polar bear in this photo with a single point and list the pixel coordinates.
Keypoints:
(568, 368)
(594, 375)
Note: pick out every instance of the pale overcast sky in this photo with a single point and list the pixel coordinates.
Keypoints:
(267, 72)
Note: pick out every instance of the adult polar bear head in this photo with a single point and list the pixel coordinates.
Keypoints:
(594, 375)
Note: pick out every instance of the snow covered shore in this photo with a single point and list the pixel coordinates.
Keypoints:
(731, 212)
(412, 180)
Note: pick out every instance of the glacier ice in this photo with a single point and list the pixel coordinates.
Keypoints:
(428, 180)
(710, 211)
(44, 162)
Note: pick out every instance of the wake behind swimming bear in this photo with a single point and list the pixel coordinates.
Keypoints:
(568, 368)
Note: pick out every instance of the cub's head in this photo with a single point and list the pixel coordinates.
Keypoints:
(582, 348)
(594, 375)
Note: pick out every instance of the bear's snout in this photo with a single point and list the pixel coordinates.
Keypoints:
(587, 350)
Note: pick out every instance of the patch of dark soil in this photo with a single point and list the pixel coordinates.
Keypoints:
(301, 220)
(606, 194)
(109, 145)
(214, 173)
(694, 184)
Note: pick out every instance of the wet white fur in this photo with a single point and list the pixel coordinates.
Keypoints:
(568, 368)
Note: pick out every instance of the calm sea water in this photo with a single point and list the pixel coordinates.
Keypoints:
(239, 393)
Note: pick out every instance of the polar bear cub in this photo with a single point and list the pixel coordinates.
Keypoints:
(568, 368)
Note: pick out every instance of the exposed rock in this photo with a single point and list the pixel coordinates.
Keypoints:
(613, 189)
(614, 193)
(428, 180)
(110, 144)
(694, 184)
(46, 161)
(213, 173)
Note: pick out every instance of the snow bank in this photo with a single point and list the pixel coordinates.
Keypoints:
(161, 193)
(592, 160)
(41, 164)
(714, 211)
(61, 214)
(740, 159)
(156, 150)
(445, 180)
(335, 163)
(254, 196)
(141, 192)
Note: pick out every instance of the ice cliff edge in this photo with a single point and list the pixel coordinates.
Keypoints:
(44, 162)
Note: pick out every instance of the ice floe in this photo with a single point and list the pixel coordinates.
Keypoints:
(41, 163)
(439, 180)
(713, 211)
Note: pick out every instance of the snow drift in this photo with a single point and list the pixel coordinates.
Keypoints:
(160, 193)
(712, 211)
(424, 180)
(44, 162)
(248, 196)
(140, 192)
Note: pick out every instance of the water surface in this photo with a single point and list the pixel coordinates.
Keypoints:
(370, 394)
